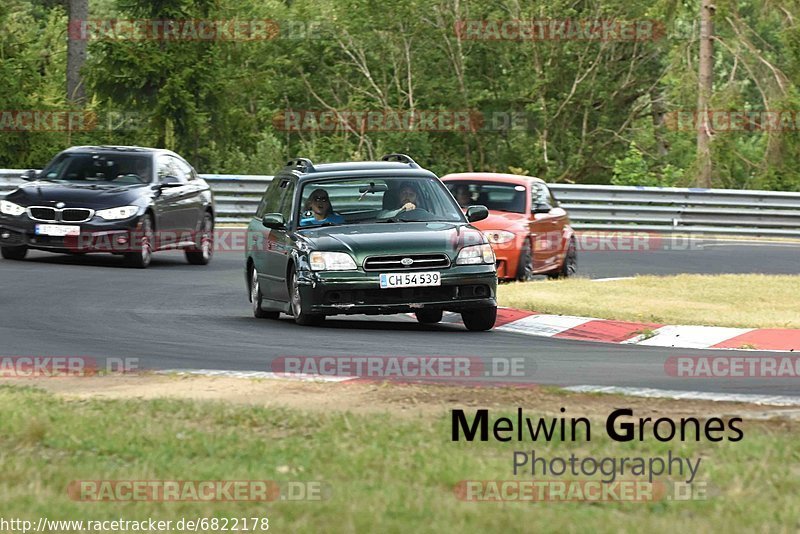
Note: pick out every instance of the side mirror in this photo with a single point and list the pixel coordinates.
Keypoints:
(30, 175)
(477, 213)
(169, 181)
(542, 208)
(274, 221)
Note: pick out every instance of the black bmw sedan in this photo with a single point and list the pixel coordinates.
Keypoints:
(129, 201)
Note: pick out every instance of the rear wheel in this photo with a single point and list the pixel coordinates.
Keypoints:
(480, 319)
(300, 317)
(201, 254)
(429, 316)
(569, 267)
(257, 298)
(141, 258)
(525, 267)
(14, 253)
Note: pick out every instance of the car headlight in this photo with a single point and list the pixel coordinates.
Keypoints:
(122, 212)
(331, 261)
(499, 236)
(476, 255)
(9, 208)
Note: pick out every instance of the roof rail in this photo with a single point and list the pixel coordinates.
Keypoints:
(302, 164)
(402, 158)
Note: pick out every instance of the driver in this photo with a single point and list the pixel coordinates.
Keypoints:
(407, 195)
(407, 198)
(462, 194)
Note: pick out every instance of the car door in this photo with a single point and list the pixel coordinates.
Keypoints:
(545, 228)
(166, 202)
(263, 241)
(279, 245)
(558, 222)
(192, 201)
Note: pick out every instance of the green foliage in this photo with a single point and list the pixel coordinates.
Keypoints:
(633, 169)
(564, 110)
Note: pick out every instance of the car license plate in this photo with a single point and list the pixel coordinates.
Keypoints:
(390, 280)
(59, 230)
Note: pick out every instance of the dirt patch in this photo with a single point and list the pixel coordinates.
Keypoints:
(404, 400)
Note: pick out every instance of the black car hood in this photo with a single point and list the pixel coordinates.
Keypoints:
(363, 240)
(93, 195)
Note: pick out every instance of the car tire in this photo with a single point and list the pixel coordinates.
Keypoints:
(480, 320)
(202, 253)
(140, 259)
(256, 298)
(525, 266)
(296, 301)
(429, 316)
(569, 267)
(14, 253)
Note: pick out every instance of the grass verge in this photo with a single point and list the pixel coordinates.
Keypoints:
(386, 474)
(746, 300)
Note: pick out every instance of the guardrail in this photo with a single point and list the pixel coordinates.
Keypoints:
(591, 207)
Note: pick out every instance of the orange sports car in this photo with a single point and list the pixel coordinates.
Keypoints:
(530, 233)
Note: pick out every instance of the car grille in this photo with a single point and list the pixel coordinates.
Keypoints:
(398, 262)
(47, 214)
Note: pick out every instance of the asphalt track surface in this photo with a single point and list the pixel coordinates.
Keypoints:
(178, 316)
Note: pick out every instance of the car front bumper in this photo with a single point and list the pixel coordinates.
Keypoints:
(463, 288)
(96, 235)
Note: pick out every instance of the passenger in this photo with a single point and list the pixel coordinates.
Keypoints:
(319, 210)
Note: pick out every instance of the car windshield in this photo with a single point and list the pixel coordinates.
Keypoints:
(376, 200)
(90, 168)
(495, 196)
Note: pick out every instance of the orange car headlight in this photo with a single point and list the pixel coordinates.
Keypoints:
(497, 237)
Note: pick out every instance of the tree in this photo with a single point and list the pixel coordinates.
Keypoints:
(705, 82)
(76, 51)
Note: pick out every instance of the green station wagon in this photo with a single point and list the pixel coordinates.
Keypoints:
(377, 237)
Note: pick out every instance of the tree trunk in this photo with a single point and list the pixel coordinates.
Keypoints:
(705, 79)
(76, 51)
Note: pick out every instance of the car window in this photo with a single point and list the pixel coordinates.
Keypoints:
(100, 167)
(287, 196)
(272, 200)
(186, 169)
(166, 167)
(366, 200)
(541, 195)
(494, 195)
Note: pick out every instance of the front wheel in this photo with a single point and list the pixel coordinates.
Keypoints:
(525, 267)
(140, 259)
(14, 253)
(480, 320)
(569, 267)
(257, 298)
(300, 317)
(429, 316)
(201, 254)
